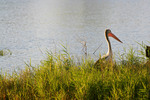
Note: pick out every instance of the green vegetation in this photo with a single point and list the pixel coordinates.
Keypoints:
(5, 52)
(60, 77)
(1, 53)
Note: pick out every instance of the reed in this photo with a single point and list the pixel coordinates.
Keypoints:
(59, 77)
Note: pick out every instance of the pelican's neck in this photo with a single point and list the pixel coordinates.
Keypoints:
(109, 52)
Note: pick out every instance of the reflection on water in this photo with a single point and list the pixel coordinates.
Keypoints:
(28, 27)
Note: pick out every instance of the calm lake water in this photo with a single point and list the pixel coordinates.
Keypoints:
(30, 27)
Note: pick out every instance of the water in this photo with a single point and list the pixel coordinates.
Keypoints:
(30, 27)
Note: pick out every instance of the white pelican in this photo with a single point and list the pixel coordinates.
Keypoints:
(109, 54)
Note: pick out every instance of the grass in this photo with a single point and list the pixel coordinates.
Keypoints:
(60, 77)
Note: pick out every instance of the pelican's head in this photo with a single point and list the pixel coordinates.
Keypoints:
(108, 33)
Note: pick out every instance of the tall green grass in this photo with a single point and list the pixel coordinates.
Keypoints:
(60, 77)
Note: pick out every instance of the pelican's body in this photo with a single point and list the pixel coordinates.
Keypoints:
(108, 56)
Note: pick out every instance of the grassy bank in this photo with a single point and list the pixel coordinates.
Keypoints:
(59, 77)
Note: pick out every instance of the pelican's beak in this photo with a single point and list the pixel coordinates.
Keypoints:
(112, 35)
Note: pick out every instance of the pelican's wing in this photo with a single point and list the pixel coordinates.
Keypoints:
(97, 62)
(105, 57)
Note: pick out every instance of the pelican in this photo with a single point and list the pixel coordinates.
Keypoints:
(108, 56)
